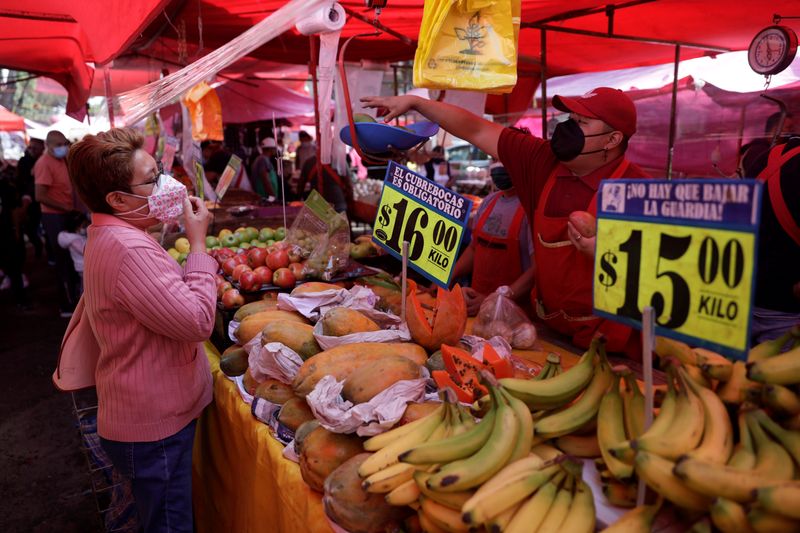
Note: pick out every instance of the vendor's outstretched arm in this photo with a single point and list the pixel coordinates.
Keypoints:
(460, 122)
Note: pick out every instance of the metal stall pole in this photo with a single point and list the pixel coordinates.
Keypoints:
(673, 112)
(543, 70)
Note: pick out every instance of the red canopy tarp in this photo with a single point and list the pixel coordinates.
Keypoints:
(10, 121)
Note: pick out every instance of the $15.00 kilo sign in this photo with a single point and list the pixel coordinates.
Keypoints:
(688, 249)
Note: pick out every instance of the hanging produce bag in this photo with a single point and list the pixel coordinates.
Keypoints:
(468, 44)
(205, 111)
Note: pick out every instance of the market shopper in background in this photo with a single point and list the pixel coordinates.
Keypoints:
(264, 174)
(25, 183)
(54, 193)
(150, 317)
(553, 179)
(305, 150)
(501, 249)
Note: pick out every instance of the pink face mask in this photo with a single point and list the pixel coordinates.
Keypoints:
(165, 202)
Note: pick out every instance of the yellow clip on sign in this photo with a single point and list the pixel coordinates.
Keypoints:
(430, 217)
(687, 249)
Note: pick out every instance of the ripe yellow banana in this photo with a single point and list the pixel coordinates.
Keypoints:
(444, 517)
(453, 500)
(584, 409)
(789, 439)
(666, 348)
(452, 448)
(487, 504)
(765, 522)
(719, 372)
(620, 494)
(781, 399)
(581, 514)
(733, 391)
(767, 349)
(707, 357)
(473, 471)
(686, 428)
(783, 369)
(525, 434)
(387, 455)
(546, 451)
(717, 442)
(729, 516)
(384, 439)
(633, 407)
(559, 390)
(428, 525)
(532, 512)
(389, 478)
(579, 445)
(782, 499)
(611, 430)
(772, 459)
(713, 479)
(404, 494)
(558, 511)
(656, 471)
(513, 471)
(637, 520)
(500, 522)
(744, 455)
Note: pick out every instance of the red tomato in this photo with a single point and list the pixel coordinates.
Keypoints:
(237, 272)
(278, 259)
(284, 278)
(232, 298)
(264, 275)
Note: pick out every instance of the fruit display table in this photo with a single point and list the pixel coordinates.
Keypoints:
(242, 482)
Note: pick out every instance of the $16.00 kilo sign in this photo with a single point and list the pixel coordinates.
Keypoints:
(688, 249)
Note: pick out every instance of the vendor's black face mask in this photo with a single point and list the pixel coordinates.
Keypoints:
(568, 141)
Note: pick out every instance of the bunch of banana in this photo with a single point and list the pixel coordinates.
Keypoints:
(559, 390)
(552, 367)
(771, 366)
(638, 520)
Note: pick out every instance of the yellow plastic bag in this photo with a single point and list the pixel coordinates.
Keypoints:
(468, 44)
(205, 111)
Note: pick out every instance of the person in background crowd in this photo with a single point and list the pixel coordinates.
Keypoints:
(777, 296)
(337, 190)
(12, 218)
(305, 150)
(501, 249)
(264, 175)
(553, 179)
(150, 318)
(25, 182)
(753, 155)
(437, 168)
(209, 148)
(54, 192)
(73, 239)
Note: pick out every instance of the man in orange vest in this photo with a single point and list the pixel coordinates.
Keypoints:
(553, 179)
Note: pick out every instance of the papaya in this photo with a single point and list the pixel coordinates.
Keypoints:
(314, 286)
(299, 337)
(294, 412)
(253, 324)
(444, 325)
(322, 451)
(342, 360)
(274, 391)
(341, 321)
(302, 432)
(435, 361)
(366, 382)
(249, 382)
(254, 307)
(233, 361)
(416, 410)
(355, 509)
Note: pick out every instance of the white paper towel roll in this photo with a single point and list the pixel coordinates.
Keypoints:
(326, 18)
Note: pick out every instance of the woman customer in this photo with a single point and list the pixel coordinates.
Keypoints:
(150, 317)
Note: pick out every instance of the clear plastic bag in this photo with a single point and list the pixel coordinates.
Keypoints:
(500, 316)
(321, 236)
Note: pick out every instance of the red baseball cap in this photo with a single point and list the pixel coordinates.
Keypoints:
(612, 106)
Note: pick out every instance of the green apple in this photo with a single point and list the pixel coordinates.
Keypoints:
(261, 244)
(255, 242)
(280, 233)
(266, 234)
(252, 233)
(211, 241)
(230, 240)
(224, 232)
(182, 257)
(244, 245)
(241, 235)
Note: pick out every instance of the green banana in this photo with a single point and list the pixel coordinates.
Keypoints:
(611, 430)
(558, 390)
(472, 471)
(744, 456)
(384, 439)
(789, 439)
(714, 479)
(581, 516)
(532, 513)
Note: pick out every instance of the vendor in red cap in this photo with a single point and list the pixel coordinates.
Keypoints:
(553, 179)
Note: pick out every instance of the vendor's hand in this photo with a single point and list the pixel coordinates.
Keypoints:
(585, 245)
(396, 105)
(473, 299)
(196, 219)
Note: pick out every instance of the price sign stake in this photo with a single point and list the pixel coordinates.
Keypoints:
(431, 218)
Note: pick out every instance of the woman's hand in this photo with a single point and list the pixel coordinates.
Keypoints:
(585, 245)
(196, 219)
(396, 105)
(473, 299)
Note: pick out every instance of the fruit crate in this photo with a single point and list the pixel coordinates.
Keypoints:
(112, 493)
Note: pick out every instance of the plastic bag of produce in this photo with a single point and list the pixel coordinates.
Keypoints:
(321, 236)
(500, 316)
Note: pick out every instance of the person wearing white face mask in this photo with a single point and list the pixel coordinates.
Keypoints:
(150, 317)
(54, 192)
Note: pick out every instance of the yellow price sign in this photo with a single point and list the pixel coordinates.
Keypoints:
(688, 259)
(431, 218)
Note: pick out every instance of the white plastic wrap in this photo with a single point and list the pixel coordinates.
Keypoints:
(392, 330)
(273, 360)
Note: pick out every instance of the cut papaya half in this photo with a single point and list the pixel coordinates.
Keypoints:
(499, 366)
(443, 381)
(444, 324)
(464, 369)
